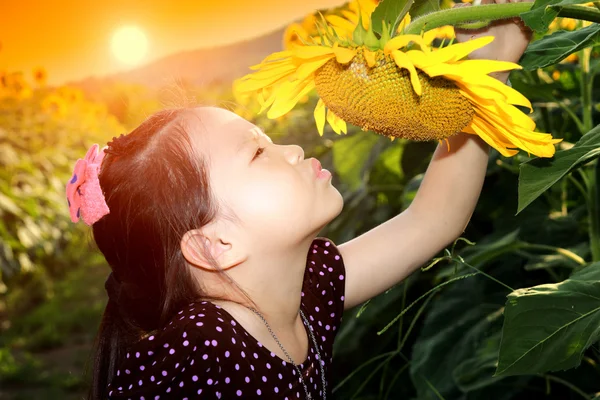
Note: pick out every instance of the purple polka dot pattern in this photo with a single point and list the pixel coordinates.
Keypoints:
(204, 353)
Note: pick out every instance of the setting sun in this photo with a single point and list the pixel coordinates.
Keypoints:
(129, 45)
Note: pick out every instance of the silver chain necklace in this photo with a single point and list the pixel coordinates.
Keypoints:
(320, 361)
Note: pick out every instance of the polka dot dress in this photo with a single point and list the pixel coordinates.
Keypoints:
(204, 353)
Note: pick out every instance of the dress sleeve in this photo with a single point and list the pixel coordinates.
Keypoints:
(327, 282)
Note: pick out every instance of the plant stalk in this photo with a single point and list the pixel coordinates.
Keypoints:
(489, 12)
(594, 213)
(593, 184)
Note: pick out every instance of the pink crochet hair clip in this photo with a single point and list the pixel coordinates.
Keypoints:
(84, 194)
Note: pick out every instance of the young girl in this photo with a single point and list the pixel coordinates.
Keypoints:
(219, 287)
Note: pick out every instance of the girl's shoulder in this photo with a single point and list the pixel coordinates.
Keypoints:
(325, 266)
(324, 286)
(173, 359)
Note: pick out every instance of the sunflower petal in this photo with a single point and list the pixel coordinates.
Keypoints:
(486, 84)
(350, 16)
(337, 124)
(458, 51)
(319, 115)
(370, 57)
(280, 55)
(256, 81)
(305, 52)
(309, 67)
(287, 96)
(342, 26)
(401, 41)
(489, 137)
(485, 67)
(342, 125)
(403, 61)
(450, 53)
(443, 32)
(343, 55)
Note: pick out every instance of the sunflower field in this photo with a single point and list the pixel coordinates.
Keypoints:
(511, 310)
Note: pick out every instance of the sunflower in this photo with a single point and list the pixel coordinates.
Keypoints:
(400, 87)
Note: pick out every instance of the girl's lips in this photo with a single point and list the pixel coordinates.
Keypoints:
(320, 173)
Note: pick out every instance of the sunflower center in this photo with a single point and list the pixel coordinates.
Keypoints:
(381, 99)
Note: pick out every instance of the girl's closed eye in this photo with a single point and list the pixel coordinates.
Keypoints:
(259, 151)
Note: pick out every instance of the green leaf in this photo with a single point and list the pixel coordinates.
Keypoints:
(416, 156)
(476, 372)
(558, 46)
(538, 175)
(390, 11)
(461, 320)
(350, 154)
(422, 7)
(548, 327)
(543, 12)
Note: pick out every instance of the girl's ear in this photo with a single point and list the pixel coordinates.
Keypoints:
(197, 246)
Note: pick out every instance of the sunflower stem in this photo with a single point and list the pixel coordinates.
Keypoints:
(593, 184)
(489, 13)
(460, 15)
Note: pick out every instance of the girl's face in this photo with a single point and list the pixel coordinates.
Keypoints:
(272, 189)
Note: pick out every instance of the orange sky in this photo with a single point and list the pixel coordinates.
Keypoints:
(71, 38)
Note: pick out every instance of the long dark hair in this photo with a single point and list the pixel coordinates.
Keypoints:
(157, 188)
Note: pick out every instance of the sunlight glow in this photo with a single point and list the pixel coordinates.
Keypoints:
(129, 45)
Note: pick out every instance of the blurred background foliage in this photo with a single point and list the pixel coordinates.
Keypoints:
(446, 346)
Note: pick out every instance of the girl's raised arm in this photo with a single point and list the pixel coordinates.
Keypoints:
(387, 254)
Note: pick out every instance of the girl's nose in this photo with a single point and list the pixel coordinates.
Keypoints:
(294, 154)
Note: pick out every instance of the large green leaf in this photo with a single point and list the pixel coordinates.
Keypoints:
(462, 319)
(543, 12)
(477, 372)
(538, 175)
(422, 7)
(548, 327)
(390, 11)
(558, 46)
(350, 154)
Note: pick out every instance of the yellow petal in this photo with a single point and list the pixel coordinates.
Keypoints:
(266, 99)
(280, 55)
(540, 144)
(370, 57)
(307, 68)
(404, 62)
(457, 51)
(401, 41)
(443, 32)
(450, 53)
(342, 125)
(343, 55)
(404, 23)
(288, 95)
(502, 109)
(337, 124)
(481, 85)
(485, 67)
(305, 52)
(350, 16)
(489, 138)
(319, 115)
(259, 80)
(342, 26)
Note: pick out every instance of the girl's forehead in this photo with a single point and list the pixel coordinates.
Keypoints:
(214, 121)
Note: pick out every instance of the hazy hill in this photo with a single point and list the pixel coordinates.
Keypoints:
(198, 67)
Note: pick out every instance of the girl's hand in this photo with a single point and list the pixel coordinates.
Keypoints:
(511, 38)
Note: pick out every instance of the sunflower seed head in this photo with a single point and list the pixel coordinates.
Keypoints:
(381, 98)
